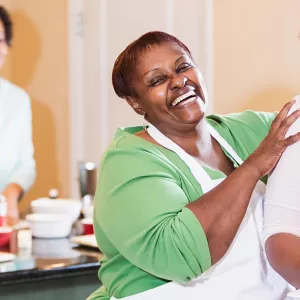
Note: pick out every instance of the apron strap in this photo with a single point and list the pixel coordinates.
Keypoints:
(197, 170)
(201, 176)
(224, 144)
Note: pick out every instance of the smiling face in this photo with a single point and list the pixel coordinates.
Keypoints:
(3, 45)
(169, 87)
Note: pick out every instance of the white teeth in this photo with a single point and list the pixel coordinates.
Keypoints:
(182, 97)
(190, 100)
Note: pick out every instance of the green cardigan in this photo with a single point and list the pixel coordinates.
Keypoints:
(141, 223)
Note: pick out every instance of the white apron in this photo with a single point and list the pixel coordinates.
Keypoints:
(243, 273)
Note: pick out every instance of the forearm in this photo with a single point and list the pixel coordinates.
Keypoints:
(221, 210)
(13, 193)
(284, 256)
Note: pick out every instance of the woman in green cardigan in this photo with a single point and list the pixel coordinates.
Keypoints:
(178, 208)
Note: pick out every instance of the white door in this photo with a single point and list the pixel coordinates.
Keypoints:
(99, 31)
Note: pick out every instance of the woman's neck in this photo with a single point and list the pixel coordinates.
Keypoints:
(197, 141)
(194, 141)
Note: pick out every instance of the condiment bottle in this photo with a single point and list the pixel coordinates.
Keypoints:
(3, 211)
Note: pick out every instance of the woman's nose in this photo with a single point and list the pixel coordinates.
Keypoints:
(178, 81)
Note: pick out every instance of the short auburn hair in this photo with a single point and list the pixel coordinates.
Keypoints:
(125, 64)
(7, 24)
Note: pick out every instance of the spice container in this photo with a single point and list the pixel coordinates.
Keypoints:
(3, 211)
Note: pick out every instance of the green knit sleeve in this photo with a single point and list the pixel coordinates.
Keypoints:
(260, 120)
(142, 210)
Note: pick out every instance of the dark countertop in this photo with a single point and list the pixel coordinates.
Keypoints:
(49, 258)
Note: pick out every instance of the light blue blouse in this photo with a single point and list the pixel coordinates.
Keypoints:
(17, 164)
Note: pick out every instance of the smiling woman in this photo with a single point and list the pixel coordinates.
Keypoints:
(154, 88)
(180, 199)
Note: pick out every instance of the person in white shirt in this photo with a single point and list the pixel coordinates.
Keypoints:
(282, 212)
(17, 163)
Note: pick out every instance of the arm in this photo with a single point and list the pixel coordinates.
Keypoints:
(140, 206)
(221, 210)
(13, 192)
(284, 256)
(24, 173)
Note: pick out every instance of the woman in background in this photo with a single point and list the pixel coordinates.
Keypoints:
(17, 164)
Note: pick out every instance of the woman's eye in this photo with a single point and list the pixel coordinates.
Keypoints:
(183, 67)
(156, 81)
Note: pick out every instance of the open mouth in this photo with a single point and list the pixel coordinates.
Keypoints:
(186, 98)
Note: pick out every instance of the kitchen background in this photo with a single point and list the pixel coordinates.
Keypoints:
(63, 51)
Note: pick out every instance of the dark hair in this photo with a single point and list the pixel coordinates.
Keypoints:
(124, 66)
(7, 23)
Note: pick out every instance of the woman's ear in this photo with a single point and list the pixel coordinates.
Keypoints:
(133, 102)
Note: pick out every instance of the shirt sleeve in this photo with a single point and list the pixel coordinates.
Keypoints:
(24, 173)
(266, 119)
(249, 127)
(142, 210)
(256, 121)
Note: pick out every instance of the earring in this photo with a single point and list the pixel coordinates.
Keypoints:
(145, 122)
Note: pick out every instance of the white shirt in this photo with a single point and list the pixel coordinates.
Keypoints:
(282, 200)
(17, 164)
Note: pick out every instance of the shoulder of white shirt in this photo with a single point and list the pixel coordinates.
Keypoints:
(12, 89)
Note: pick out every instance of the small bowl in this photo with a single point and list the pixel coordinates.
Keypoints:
(68, 207)
(5, 234)
(49, 225)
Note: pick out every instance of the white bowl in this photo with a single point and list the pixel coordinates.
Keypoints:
(68, 207)
(49, 225)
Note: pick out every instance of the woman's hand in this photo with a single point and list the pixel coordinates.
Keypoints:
(266, 156)
(221, 210)
(13, 192)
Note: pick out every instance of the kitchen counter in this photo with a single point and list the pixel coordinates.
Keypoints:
(54, 269)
